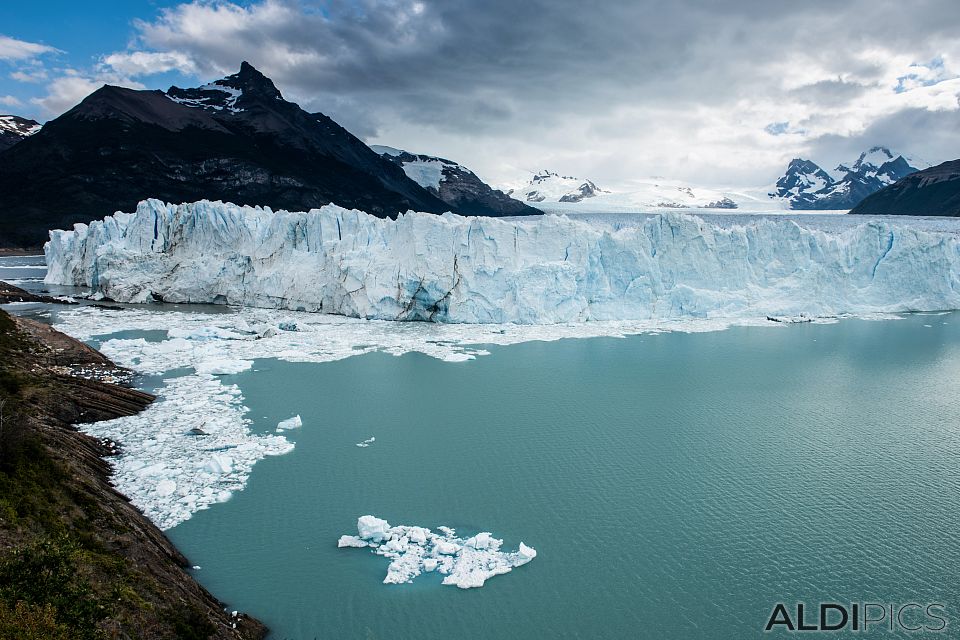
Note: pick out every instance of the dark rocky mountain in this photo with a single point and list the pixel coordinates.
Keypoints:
(931, 192)
(13, 129)
(236, 139)
(807, 186)
(455, 184)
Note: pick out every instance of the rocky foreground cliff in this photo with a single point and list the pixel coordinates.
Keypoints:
(77, 560)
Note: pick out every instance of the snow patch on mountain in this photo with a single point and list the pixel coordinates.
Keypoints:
(18, 126)
(427, 171)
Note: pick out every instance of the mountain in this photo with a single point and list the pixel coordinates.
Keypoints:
(13, 129)
(931, 192)
(235, 139)
(556, 193)
(546, 186)
(805, 185)
(454, 184)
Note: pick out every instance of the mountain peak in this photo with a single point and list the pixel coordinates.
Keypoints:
(230, 93)
(249, 79)
(873, 157)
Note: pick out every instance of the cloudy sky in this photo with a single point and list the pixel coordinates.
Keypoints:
(715, 93)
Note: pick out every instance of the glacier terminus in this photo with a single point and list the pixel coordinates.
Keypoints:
(545, 270)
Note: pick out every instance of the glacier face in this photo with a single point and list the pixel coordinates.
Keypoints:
(484, 270)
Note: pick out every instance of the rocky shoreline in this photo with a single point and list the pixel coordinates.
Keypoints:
(77, 560)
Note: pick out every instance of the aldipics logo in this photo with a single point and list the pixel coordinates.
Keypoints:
(858, 616)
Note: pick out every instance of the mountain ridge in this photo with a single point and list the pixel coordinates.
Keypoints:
(455, 184)
(805, 185)
(932, 191)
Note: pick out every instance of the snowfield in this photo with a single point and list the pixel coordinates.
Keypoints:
(546, 270)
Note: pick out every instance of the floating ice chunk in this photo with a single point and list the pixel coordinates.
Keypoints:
(526, 553)
(413, 550)
(446, 547)
(372, 528)
(219, 464)
(483, 541)
(166, 488)
(223, 367)
(351, 541)
(290, 423)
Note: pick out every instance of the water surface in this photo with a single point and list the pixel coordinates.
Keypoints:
(675, 486)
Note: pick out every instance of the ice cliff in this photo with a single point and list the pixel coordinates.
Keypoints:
(482, 270)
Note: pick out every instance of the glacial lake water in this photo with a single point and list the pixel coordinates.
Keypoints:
(674, 485)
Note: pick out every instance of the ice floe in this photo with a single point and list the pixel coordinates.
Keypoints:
(290, 423)
(366, 443)
(188, 450)
(464, 562)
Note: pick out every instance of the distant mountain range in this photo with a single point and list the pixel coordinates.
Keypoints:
(805, 185)
(931, 192)
(455, 184)
(554, 192)
(13, 129)
(547, 186)
(235, 139)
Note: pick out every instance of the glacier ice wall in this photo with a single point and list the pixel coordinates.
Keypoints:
(484, 270)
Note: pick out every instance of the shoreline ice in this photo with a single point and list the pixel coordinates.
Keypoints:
(189, 450)
(464, 562)
(549, 270)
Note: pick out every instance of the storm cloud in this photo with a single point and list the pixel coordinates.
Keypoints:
(704, 91)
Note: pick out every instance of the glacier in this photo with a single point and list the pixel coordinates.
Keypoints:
(464, 562)
(546, 270)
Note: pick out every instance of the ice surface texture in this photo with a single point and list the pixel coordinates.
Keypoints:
(482, 270)
(465, 562)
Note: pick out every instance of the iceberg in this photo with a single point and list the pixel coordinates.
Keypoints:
(546, 270)
(465, 563)
(290, 423)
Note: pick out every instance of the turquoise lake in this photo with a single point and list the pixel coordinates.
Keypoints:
(674, 485)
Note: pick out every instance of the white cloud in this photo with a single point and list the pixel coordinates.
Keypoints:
(35, 75)
(65, 91)
(144, 63)
(13, 49)
(10, 101)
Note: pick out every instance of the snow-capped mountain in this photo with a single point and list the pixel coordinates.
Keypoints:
(556, 193)
(805, 185)
(454, 183)
(547, 186)
(13, 129)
